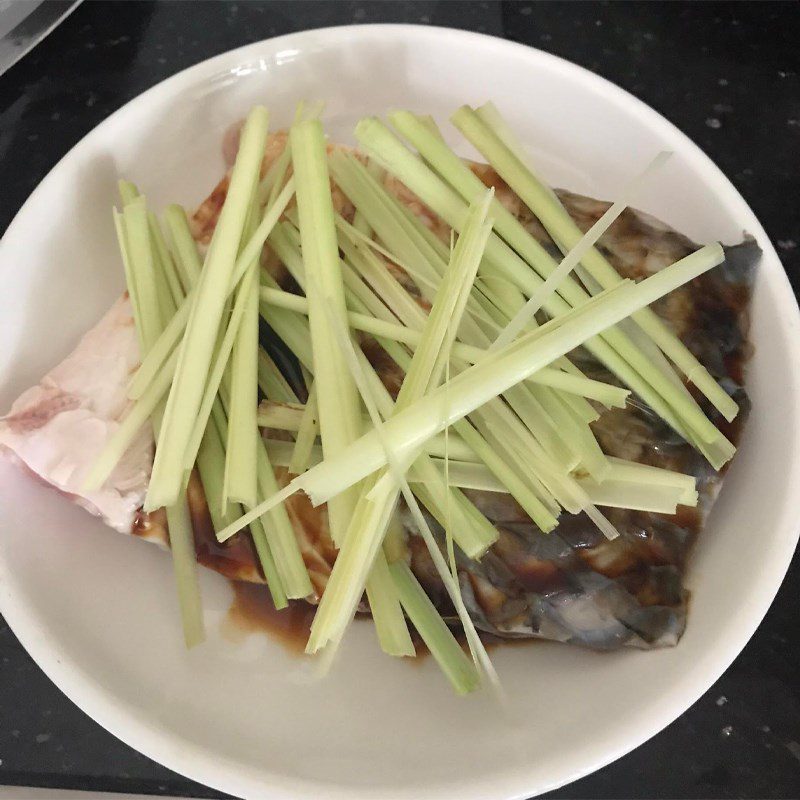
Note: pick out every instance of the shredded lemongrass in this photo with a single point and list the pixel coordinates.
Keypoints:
(567, 234)
(164, 267)
(608, 394)
(240, 454)
(395, 476)
(387, 613)
(272, 382)
(306, 433)
(378, 502)
(410, 429)
(431, 627)
(197, 346)
(613, 349)
(183, 246)
(176, 328)
(153, 306)
(473, 531)
(577, 253)
(337, 398)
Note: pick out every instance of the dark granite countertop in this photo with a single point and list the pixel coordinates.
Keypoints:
(727, 74)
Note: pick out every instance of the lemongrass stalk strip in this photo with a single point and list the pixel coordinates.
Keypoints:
(122, 241)
(410, 429)
(412, 251)
(197, 347)
(184, 247)
(412, 234)
(613, 349)
(360, 223)
(575, 431)
(280, 416)
(127, 191)
(151, 306)
(337, 397)
(577, 253)
(292, 331)
(184, 565)
(280, 533)
(165, 265)
(395, 476)
(431, 627)
(387, 613)
(636, 496)
(463, 474)
(510, 480)
(240, 453)
(219, 364)
(274, 584)
(282, 164)
(211, 466)
(272, 382)
(565, 232)
(433, 352)
(306, 434)
(153, 361)
(177, 325)
(632, 471)
(608, 394)
(151, 289)
(245, 312)
(394, 542)
(376, 501)
(474, 533)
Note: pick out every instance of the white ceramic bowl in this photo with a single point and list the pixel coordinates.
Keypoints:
(96, 609)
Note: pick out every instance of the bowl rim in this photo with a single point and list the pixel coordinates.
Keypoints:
(199, 763)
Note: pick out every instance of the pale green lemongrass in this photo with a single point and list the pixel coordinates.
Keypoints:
(164, 265)
(272, 381)
(577, 252)
(184, 565)
(360, 223)
(395, 545)
(197, 347)
(566, 233)
(151, 303)
(177, 325)
(387, 613)
(211, 466)
(240, 453)
(184, 247)
(410, 429)
(424, 373)
(609, 349)
(280, 533)
(155, 304)
(122, 241)
(221, 361)
(474, 531)
(434, 632)
(632, 471)
(608, 394)
(127, 191)
(395, 477)
(337, 397)
(274, 584)
(306, 434)
(364, 191)
(635, 496)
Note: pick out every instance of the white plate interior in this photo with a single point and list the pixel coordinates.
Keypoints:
(97, 610)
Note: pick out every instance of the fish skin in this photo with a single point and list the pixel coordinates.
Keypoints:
(58, 427)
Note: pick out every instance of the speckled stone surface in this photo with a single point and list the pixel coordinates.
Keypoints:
(728, 75)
